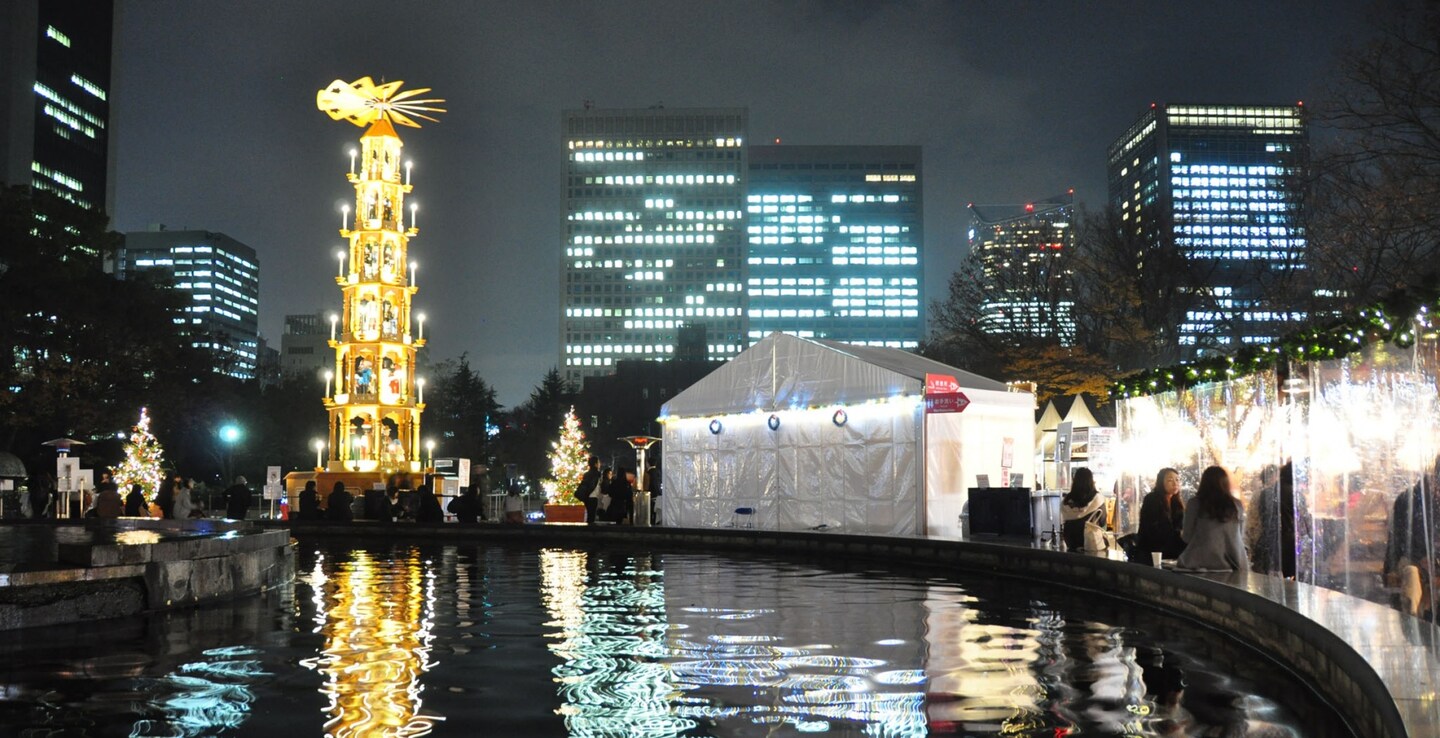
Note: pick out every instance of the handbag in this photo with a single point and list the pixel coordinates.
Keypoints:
(603, 502)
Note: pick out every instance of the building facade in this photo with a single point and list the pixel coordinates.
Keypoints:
(305, 346)
(835, 236)
(654, 208)
(222, 278)
(1022, 251)
(1215, 183)
(55, 98)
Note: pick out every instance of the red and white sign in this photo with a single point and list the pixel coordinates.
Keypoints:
(946, 402)
(940, 384)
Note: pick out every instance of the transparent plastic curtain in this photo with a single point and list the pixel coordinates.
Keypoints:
(1237, 424)
(862, 476)
(1370, 434)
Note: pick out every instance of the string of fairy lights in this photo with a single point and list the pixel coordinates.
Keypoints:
(1398, 318)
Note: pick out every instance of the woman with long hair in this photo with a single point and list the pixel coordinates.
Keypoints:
(1082, 513)
(1162, 517)
(1214, 527)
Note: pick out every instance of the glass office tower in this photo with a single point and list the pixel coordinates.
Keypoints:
(654, 202)
(1023, 251)
(221, 276)
(835, 236)
(1215, 182)
(55, 98)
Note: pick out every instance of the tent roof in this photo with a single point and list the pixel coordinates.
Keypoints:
(782, 371)
(913, 365)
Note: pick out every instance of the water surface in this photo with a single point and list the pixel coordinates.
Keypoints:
(511, 641)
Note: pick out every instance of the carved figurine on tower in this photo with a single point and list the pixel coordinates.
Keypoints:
(376, 401)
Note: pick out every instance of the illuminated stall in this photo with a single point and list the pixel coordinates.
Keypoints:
(1344, 419)
(795, 434)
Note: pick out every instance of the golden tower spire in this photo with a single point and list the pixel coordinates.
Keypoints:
(376, 400)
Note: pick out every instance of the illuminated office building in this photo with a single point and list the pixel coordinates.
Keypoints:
(835, 235)
(221, 277)
(1213, 182)
(1022, 250)
(654, 202)
(54, 98)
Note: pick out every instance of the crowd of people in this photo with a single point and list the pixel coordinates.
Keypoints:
(1213, 531)
(175, 498)
(608, 494)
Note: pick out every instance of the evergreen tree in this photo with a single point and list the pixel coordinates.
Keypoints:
(568, 462)
(141, 464)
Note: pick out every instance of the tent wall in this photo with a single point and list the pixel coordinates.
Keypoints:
(862, 477)
(961, 446)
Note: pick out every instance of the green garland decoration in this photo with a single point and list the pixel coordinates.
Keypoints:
(1394, 319)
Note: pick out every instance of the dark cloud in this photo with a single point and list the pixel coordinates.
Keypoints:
(216, 125)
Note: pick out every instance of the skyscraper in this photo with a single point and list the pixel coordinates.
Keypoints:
(1213, 182)
(835, 236)
(54, 103)
(221, 276)
(654, 202)
(1022, 250)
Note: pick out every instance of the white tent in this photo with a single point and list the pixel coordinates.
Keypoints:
(808, 433)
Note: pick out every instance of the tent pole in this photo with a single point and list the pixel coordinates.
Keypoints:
(922, 524)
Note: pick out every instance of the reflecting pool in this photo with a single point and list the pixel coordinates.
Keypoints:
(512, 641)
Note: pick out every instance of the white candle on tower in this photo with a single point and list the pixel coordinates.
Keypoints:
(340, 257)
(345, 218)
(319, 446)
(413, 267)
(412, 216)
(408, 164)
(352, 161)
(421, 318)
(421, 384)
(333, 320)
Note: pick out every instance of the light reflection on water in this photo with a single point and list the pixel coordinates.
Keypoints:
(501, 641)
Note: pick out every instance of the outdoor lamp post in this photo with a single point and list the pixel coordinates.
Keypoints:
(641, 444)
(230, 434)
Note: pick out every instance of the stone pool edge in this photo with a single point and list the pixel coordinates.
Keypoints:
(109, 580)
(1315, 654)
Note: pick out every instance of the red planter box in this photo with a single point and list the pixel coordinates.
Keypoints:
(564, 513)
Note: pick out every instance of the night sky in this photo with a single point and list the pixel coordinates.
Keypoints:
(216, 128)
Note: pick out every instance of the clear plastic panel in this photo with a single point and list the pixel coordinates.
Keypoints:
(1370, 432)
(1238, 425)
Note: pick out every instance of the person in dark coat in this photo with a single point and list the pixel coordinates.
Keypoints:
(1162, 518)
(107, 501)
(429, 511)
(135, 503)
(310, 502)
(466, 507)
(165, 497)
(1274, 551)
(40, 496)
(622, 497)
(337, 506)
(589, 489)
(237, 499)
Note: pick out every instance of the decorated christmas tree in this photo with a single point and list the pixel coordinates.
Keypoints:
(567, 462)
(142, 460)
